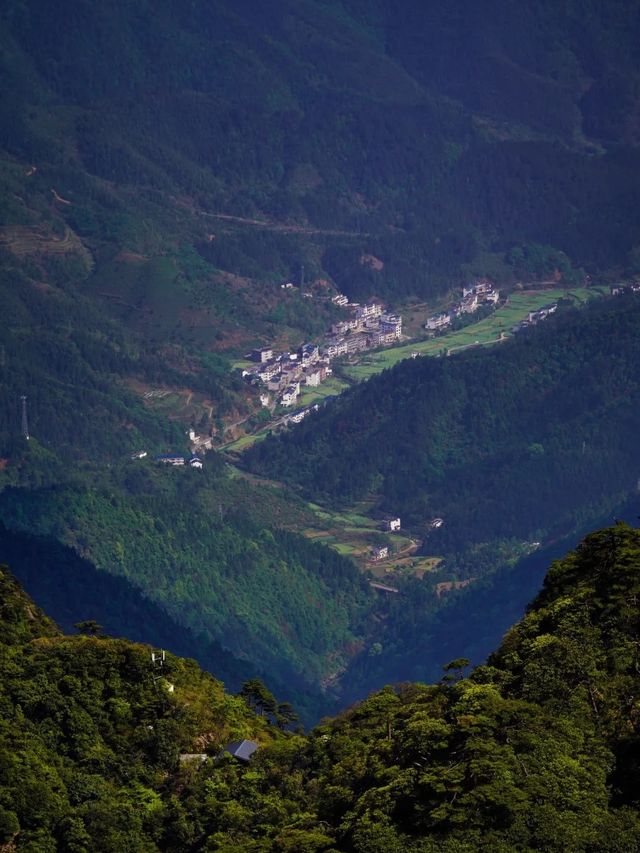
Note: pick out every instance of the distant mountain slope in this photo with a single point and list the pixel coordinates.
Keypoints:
(71, 590)
(431, 135)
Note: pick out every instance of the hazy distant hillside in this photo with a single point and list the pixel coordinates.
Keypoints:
(192, 545)
(430, 134)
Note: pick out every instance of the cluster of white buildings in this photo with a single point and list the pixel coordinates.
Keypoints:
(624, 289)
(370, 327)
(177, 461)
(474, 296)
(285, 374)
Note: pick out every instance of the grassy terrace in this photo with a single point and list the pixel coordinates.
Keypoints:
(330, 387)
(486, 332)
(246, 441)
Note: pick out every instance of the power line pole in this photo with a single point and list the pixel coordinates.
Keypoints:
(25, 423)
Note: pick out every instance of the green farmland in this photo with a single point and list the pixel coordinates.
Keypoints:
(488, 331)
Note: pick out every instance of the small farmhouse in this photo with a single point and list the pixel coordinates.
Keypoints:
(169, 459)
(381, 552)
(241, 749)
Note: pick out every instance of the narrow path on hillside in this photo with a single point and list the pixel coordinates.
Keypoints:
(267, 224)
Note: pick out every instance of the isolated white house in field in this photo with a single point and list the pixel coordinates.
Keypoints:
(380, 553)
(393, 524)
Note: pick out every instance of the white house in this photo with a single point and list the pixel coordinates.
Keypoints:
(392, 524)
(438, 321)
(313, 378)
(289, 396)
(391, 324)
(366, 312)
(169, 459)
(195, 462)
(380, 553)
(262, 355)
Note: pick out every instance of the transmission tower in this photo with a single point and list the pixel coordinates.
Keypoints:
(25, 423)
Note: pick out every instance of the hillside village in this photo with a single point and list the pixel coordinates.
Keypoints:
(283, 375)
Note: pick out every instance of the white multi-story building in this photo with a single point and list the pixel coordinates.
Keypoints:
(391, 324)
(438, 321)
(289, 396)
(262, 355)
(312, 377)
(368, 311)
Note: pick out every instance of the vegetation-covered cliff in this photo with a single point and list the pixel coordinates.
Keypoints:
(536, 750)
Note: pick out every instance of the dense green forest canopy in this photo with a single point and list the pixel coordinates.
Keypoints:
(536, 750)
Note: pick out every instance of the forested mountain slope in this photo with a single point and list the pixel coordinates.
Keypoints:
(437, 139)
(538, 749)
(192, 544)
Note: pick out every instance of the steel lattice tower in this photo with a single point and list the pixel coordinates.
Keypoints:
(25, 423)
